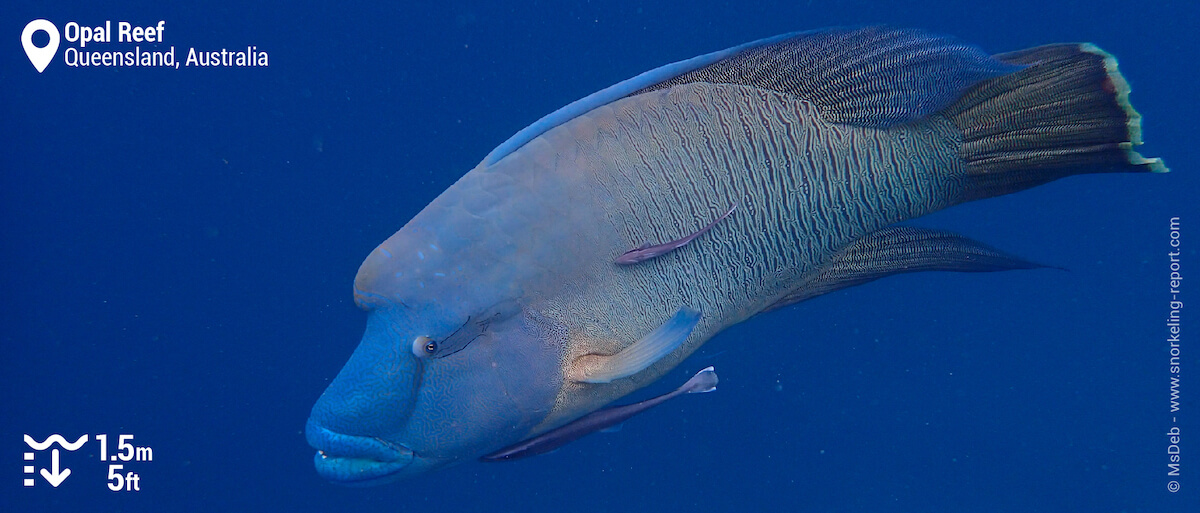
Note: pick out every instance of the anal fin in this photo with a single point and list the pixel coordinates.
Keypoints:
(901, 249)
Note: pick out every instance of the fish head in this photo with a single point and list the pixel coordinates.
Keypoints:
(453, 363)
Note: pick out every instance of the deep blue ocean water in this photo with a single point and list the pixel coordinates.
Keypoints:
(179, 246)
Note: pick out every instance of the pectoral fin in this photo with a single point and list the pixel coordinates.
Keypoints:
(651, 348)
(901, 249)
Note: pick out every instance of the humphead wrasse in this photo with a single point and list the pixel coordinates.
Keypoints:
(597, 248)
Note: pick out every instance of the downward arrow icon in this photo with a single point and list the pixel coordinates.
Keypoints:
(53, 476)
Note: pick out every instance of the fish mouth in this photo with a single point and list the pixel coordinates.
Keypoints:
(356, 460)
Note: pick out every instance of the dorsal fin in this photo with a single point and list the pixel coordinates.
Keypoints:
(613, 93)
(871, 76)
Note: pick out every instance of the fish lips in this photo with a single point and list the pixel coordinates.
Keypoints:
(357, 460)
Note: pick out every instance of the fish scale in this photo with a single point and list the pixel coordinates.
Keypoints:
(681, 193)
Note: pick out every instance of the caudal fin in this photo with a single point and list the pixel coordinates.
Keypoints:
(1067, 112)
(703, 381)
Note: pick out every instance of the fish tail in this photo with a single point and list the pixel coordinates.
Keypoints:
(1066, 112)
(704, 381)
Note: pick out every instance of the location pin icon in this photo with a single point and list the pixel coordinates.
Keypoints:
(40, 57)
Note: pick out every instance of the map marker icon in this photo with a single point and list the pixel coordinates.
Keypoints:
(40, 57)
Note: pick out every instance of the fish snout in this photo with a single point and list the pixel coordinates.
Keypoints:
(357, 460)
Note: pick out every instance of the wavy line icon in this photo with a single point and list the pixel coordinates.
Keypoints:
(55, 439)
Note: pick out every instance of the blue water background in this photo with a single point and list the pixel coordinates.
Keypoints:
(178, 248)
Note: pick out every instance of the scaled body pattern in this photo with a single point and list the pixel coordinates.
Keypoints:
(597, 248)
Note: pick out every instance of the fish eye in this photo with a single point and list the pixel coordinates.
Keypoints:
(472, 329)
(424, 347)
